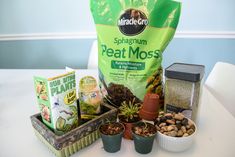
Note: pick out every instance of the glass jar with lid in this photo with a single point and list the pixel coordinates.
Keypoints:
(182, 88)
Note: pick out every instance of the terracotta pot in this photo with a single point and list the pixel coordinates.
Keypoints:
(149, 110)
(127, 133)
(128, 126)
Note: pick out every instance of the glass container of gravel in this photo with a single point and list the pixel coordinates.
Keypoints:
(182, 88)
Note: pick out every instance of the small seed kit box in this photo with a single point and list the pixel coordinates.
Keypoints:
(57, 101)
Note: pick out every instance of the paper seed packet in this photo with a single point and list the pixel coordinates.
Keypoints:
(90, 96)
(57, 101)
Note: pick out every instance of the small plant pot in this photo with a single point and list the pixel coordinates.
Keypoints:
(112, 143)
(128, 126)
(149, 110)
(143, 144)
(127, 133)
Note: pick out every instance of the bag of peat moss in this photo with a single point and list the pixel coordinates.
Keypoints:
(132, 35)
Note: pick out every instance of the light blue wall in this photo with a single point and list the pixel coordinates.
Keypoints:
(43, 54)
(39, 16)
(200, 51)
(209, 15)
(59, 16)
(74, 53)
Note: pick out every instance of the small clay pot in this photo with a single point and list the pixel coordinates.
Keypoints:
(149, 110)
(128, 126)
(127, 133)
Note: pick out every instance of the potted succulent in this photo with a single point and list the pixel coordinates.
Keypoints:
(143, 135)
(128, 115)
(111, 135)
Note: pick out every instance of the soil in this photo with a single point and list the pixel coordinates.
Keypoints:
(117, 93)
(144, 129)
(111, 128)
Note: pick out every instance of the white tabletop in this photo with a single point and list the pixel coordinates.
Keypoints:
(215, 137)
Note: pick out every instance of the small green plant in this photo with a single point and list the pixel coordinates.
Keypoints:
(129, 110)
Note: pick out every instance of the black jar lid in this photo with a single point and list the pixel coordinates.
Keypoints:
(187, 72)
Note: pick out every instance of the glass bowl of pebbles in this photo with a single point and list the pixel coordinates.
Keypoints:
(175, 131)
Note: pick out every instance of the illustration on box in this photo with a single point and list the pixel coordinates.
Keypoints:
(57, 101)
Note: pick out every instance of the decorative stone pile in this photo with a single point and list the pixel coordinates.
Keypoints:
(175, 125)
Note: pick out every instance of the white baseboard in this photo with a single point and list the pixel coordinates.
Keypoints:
(92, 35)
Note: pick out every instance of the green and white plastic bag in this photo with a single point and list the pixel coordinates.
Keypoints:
(132, 35)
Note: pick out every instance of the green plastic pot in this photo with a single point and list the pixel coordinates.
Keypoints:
(143, 145)
(112, 143)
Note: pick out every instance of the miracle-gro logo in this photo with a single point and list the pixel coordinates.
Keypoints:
(125, 22)
(132, 22)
